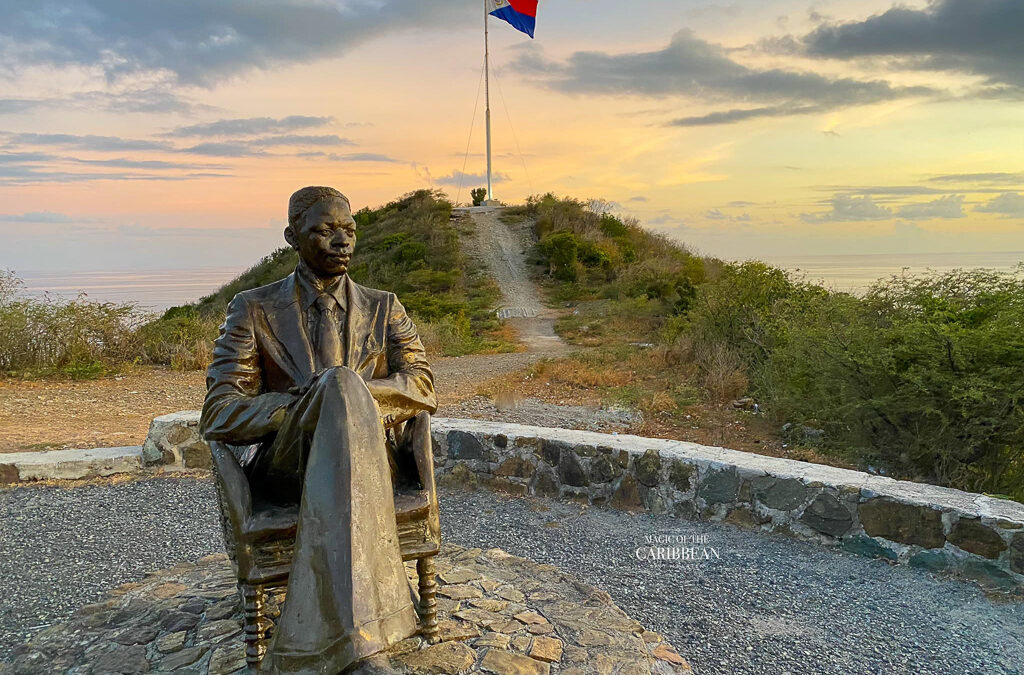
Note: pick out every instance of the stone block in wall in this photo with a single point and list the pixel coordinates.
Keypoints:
(170, 434)
(551, 451)
(1017, 553)
(571, 470)
(545, 482)
(604, 470)
(868, 547)
(461, 476)
(972, 536)
(933, 561)
(720, 486)
(516, 467)
(782, 494)
(917, 524)
(988, 575)
(828, 515)
(679, 475)
(462, 445)
(647, 468)
(628, 495)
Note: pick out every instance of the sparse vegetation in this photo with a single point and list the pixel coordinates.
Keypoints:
(922, 378)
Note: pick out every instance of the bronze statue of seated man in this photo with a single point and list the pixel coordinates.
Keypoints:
(315, 372)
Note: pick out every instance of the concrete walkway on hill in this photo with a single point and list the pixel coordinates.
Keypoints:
(767, 604)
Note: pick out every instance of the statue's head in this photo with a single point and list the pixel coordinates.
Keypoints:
(321, 229)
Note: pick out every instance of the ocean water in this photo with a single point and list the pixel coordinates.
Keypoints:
(855, 273)
(160, 289)
(154, 290)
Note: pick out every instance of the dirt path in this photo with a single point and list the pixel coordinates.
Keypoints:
(503, 248)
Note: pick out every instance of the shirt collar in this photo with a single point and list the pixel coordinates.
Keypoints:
(311, 286)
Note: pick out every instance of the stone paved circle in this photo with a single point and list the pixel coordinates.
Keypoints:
(498, 614)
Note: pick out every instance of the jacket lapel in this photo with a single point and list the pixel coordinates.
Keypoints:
(360, 329)
(288, 332)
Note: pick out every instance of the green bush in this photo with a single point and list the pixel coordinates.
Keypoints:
(561, 250)
(478, 195)
(922, 376)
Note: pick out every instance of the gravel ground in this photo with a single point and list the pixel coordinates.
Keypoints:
(768, 605)
(538, 413)
(63, 547)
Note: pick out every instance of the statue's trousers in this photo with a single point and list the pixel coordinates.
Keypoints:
(348, 594)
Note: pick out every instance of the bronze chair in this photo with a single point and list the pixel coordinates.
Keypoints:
(260, 539)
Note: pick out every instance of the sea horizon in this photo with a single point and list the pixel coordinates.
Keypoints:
(158, 289)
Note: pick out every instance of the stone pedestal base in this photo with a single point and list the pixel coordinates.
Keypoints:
(498, 614)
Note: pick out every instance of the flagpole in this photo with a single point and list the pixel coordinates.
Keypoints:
(487, 97)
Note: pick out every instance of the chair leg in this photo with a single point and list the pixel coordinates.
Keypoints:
(428, 598)
(256, 624)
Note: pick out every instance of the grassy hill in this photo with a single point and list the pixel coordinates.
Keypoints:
(408, 246)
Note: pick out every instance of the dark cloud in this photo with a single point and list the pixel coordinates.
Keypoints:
(256, 147)
(40, 167)
(251, 126)
(847, 208)
(744, 114)
(151, 100)
(229, 148)
(1009, 204)
(691, 67)
(717, 214)
(901, 190)
(364, 157)
(21, 175)
(950, 206)
(88, 142)
(203, 41)
(638, 198)
(225, 149)
(292, 139)
(998, 178)
(980, 37)
(149, 164)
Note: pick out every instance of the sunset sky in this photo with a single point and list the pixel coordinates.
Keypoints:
(170, 134)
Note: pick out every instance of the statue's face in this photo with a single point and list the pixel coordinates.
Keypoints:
(325, 238)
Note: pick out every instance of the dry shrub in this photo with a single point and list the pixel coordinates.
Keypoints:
(722, 373)
(196, 358)
(577, 373)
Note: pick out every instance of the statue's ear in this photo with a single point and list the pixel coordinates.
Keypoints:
(289, 236)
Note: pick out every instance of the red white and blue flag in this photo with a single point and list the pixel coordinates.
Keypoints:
(522, 14)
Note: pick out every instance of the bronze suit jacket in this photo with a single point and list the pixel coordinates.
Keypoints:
(264, 350)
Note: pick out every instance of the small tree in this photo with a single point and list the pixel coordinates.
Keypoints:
(478, 195)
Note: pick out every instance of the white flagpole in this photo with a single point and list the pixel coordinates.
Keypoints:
(487, 97)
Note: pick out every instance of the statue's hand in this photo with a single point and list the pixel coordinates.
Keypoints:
(303, 388)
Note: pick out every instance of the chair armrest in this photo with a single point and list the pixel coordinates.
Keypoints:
(417, 435)
(234, 484)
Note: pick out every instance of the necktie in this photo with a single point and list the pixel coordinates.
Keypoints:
(328, 336)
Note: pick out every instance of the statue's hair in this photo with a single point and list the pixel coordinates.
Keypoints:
(302, 200)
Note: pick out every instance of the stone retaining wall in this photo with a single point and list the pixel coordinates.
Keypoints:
(936, 528)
